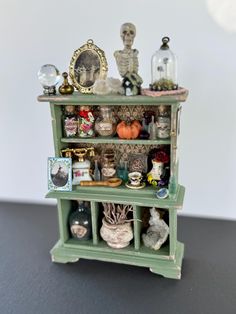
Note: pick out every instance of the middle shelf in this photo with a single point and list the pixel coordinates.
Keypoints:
(114, 140)
(121, 195)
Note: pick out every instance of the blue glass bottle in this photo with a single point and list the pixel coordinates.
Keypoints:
(122, 171)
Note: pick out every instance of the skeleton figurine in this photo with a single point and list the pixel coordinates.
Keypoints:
(157, 233)
(127, 61)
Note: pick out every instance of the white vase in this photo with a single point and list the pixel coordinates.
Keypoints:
(157, 169)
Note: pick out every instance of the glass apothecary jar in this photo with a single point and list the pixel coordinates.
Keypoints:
(105, 124)
(164, 68)
(86, 122)
(69, 121)
(80, 222)
(108, 165)
(163, 122)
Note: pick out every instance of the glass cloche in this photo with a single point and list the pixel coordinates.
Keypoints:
(49, 77)
(164, 68)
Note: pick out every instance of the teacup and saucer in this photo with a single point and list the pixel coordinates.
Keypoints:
(135, 180)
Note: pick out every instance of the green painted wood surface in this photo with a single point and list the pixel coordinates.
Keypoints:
(130, 250)
(158, 262)
(113, 100)
(137, 226)
(122, 195)
(64, 208)
(56, 128)
(94, 217)
(114, 140)
(173, 167)
(172, 231)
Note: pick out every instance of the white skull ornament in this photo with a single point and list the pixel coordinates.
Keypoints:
(128, 33)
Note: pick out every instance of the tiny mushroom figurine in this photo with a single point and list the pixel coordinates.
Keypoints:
(127, 61)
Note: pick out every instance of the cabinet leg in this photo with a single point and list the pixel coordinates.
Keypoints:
(63, 259)
(60, 255)
(168, 273)
(172, 269)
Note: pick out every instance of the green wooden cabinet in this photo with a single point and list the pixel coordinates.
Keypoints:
(167, 260)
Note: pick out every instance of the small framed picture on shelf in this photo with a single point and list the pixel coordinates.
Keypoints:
(59, 174)
(88, 64)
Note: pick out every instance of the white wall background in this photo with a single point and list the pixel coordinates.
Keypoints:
(33, 33)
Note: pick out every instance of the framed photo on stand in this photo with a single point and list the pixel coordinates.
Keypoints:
(59, 174)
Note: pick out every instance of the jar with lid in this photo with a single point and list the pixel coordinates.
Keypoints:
(108, 165)
(80, 221)
(86, 122)
(163, 122)
(69, 121)
(164, 68)
(105, 124)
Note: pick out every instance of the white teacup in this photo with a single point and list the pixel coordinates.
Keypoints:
(135, 178)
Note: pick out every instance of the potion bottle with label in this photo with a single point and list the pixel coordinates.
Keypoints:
(80, 222)
(69, 121)
(163, 122)
(105, 124)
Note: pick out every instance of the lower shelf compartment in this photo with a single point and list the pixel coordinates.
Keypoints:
(161, 263)
(162, 253)
(166, 261)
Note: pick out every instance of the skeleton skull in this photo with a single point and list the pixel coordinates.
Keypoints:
(127, 33)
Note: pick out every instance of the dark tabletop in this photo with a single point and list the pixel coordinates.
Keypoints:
(30, 283)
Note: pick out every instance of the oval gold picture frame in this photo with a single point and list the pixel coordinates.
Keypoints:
(88, 64)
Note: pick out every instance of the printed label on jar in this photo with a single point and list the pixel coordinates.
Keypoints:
(70, 126)
(105, 126)
(80, 173)
(163, 127)
(108, 172)
(78, 231)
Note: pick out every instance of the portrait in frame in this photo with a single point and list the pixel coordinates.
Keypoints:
(59, 174)
(88, 64)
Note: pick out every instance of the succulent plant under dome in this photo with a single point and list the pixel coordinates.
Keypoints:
(164, 68)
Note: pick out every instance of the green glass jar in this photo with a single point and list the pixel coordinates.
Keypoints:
(80, 222)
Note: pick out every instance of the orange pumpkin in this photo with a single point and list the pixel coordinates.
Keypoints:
(128, 130)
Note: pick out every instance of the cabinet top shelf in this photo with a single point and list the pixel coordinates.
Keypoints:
(112, 99)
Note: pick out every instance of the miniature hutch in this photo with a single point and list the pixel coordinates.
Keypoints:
(167, 260)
